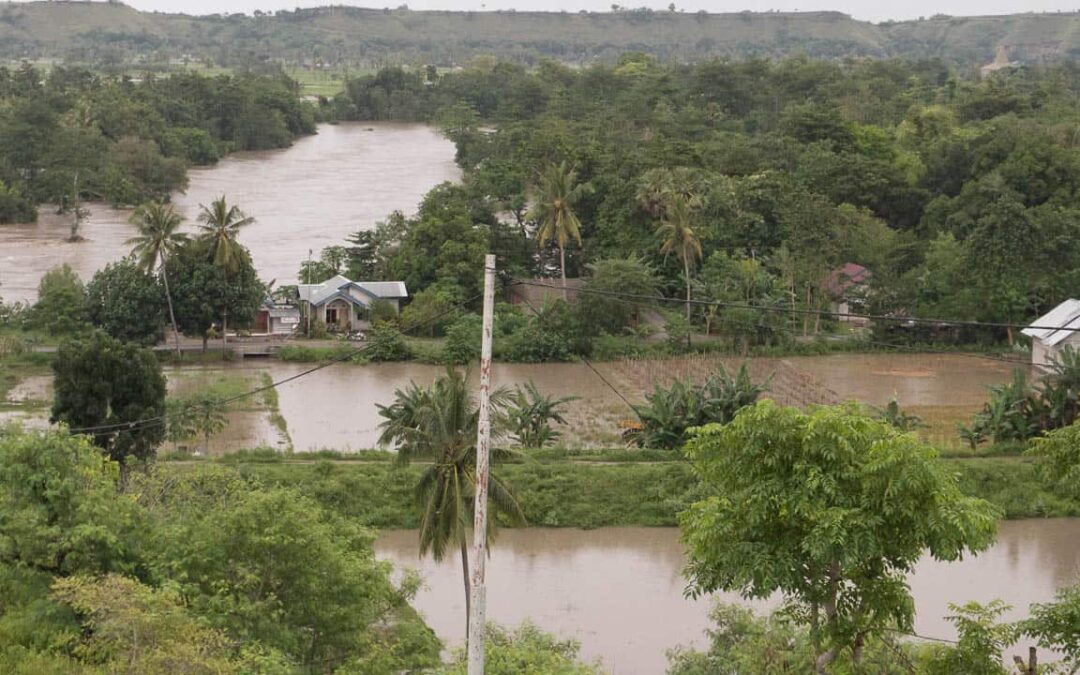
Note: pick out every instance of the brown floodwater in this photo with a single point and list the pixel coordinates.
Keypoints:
(913, 379)
(335, 407)
(346, 178)
(619, 591)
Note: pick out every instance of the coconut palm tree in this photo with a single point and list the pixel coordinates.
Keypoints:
(158, 237)
(677, 236)
(219, 226)
(557, 192)
(439, 424)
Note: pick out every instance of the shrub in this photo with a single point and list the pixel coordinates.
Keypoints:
(554, 334)
(670, 412)
(463, 340)
(385, 343)
(61, 305)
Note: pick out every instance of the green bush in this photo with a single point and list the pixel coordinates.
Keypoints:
(385, 343)
(61, 305)
(670, 412)
(462, 343)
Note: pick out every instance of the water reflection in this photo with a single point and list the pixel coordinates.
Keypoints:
(620, 590)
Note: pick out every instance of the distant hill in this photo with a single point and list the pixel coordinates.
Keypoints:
(114, 33)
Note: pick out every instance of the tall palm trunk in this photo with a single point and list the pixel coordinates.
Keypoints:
(686, 272)
(225, 320)
(168, 299)
(468, 600)
(562, 269)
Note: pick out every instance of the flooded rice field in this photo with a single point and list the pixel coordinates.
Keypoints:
(619, 591)
(346, 178)
(335, 407)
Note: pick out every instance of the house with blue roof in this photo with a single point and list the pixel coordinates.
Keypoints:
(344, 304)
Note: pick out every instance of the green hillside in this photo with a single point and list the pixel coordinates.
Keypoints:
(113, 33)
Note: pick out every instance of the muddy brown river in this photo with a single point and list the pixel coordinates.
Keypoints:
(311, 195)
(619, 591)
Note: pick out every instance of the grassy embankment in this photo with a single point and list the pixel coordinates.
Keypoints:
(559, 488)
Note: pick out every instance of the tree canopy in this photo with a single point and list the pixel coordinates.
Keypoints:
(830, 508)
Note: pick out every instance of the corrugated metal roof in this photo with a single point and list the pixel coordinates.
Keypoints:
(317, 294)
(1065, 316)
(385, 289)
(278, 312)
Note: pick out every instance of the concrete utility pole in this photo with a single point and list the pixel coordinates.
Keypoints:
(478, 589)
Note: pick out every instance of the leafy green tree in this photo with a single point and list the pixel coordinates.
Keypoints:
(139, 173)
(274, 567)
(439, 423)
(200, 414)
(131, 627)
(115, 390)
(462, 344)
(59, 515)
(606, 312)
(444, 245)
(766, 528)
(126, 302)
(61, 305)
(159, 237)
(529, 415)
(981, 645)
(203, 292)
(219, 227)
(431, 311)
(1053, 625)
(15, 206)
(677, 236)
(60, 511)
(1058, 456)
(557, 193)
(555, 333)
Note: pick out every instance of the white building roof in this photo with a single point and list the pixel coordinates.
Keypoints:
(1056, 325)
(317, 294)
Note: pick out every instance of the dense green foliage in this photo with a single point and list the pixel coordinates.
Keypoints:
(206, 572)
(61, 305)
(830, 508)
(1017, 411)
(127, 302)
(671, 412)
(959, 196)
(560, 488)
(205, 293)
(73, 134)
(110, 387)
(743, 642)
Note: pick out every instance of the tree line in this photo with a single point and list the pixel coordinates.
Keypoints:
(753, 180)
(69, 134)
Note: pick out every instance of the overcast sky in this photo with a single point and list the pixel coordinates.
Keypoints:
(868, 10)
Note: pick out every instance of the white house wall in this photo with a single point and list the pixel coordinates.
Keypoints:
(1041, 353)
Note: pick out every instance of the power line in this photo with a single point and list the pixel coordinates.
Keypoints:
(149, 421)
(812, 312)
(584, 360)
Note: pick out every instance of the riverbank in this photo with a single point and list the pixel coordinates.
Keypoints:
(587, 493)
